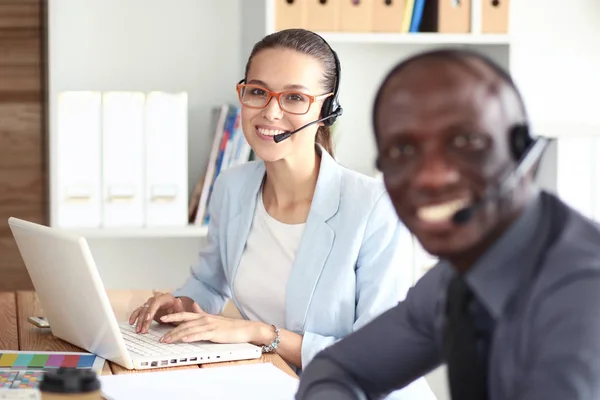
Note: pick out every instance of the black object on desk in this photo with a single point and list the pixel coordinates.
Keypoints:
(70, 383)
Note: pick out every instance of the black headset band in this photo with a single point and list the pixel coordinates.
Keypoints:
(338, 69)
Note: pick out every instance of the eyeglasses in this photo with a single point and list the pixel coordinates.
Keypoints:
(293, 102)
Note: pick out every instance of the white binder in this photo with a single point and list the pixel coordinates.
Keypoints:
(123, 159)
(78, 164)
(166, 159)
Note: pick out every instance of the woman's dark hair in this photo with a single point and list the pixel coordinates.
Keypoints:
(305, 42)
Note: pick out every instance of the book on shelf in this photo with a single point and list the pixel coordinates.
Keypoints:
(229, 148)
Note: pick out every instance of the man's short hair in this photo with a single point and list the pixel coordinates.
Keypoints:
(457, 55)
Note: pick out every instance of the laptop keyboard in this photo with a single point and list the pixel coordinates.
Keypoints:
(147, 344)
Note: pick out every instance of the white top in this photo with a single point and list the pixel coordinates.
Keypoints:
(261, 280)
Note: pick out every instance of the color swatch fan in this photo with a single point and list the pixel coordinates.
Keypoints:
(25, 369)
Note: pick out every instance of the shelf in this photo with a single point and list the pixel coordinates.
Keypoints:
(153, 232)
(416, 38)
(562, 129)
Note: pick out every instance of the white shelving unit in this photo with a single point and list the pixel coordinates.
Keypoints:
(139, 54)
(412, 38)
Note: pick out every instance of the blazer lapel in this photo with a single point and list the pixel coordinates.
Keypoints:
(238, 227)
(315, 245)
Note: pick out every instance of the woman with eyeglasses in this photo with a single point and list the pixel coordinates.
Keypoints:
(307, 250)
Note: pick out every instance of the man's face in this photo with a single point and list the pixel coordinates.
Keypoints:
(443, 141)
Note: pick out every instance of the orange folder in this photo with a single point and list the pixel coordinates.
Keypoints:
(356, 15)
(388, 15)
(290, 14)
(323, 15)
(495, 16)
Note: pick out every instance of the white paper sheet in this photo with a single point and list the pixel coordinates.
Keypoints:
(20, 394)
(254, 381)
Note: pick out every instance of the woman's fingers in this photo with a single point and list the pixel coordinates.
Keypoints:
(180, 317)
(142, 317)
(134, 316)
(198, 336)
(153, 306)
(187, 330)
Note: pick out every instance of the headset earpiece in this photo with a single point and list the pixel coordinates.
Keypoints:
(327, 110)
(520, 141)
(330, 109)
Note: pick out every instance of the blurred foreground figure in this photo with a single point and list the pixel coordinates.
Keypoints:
(511, 308)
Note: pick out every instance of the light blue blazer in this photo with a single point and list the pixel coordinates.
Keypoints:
(350, 264)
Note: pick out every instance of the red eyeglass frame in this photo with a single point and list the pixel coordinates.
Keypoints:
(312, 99)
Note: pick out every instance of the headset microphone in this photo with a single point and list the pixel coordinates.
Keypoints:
(509, 183)
(282, 136)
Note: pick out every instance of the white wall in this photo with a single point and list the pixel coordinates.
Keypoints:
(556, 58)
(150, 45)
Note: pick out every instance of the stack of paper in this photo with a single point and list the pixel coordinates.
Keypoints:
(254, 381)
(20, 394)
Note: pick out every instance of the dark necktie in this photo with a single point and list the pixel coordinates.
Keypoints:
(465, 363)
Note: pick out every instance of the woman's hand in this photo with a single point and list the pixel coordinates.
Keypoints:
(155, 307)
(198, 325)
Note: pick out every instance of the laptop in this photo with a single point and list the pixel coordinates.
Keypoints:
(68, 284)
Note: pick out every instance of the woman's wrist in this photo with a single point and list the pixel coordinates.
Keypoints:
(263, 335)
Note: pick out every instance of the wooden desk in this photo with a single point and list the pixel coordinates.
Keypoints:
(18, 334)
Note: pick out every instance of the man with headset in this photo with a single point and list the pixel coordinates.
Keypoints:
(511, 308)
